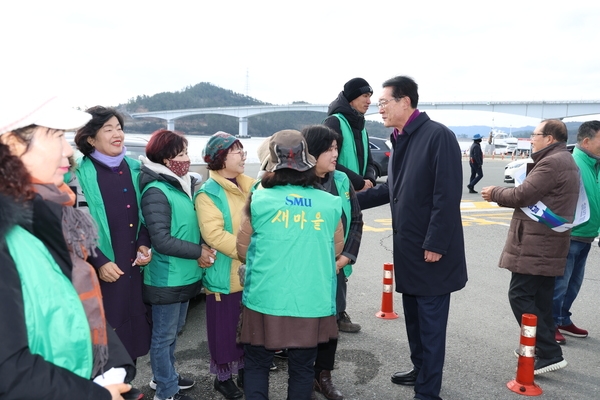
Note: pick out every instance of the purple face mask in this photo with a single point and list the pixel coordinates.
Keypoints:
(179, 168)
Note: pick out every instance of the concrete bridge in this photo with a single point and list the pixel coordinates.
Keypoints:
(534, 109)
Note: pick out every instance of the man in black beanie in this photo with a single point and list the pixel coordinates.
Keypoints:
(346, 116)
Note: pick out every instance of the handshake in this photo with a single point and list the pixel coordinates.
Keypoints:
(208, 257)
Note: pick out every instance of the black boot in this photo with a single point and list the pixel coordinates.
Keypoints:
(240, 378)
(323, 385)
(228, 389)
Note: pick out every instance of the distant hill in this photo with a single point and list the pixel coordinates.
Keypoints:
(205, 94)
(208, 95)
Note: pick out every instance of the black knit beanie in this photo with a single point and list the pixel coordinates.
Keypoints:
(356, 87)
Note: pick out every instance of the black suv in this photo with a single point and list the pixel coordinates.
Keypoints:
(380, 151)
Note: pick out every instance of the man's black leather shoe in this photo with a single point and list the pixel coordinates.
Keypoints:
(407, 378)
(228, 389)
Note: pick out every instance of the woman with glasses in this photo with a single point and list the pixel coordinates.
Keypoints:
(219, 206)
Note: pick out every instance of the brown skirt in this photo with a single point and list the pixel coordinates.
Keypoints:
(275, 333)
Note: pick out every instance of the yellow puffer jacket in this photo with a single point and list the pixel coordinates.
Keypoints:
(212, 225)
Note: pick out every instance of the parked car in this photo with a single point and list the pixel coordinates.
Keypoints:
(380, 151)
(512, 167)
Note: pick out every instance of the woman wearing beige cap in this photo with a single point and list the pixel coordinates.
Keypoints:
(289, 298)
(53, 332)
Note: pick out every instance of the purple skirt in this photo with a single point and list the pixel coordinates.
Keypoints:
(222, 317)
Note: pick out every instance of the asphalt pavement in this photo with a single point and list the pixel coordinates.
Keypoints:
(482, 332)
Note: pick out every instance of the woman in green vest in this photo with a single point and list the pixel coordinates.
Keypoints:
(322, 144)
(109, 181)
(219, 206)
(290, 236)
(53, 341)
(174, 274)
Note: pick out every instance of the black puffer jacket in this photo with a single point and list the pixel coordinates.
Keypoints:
(157, 215)
(357, 123)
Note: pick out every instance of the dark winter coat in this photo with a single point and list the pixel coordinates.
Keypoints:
(22, 374)
(424, 189)
(531, 247)
(123, 304)
(475, 153)
(157, 214)
(357, 123)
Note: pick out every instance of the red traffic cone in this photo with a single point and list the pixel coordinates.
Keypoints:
(523, 383)
(387, 298)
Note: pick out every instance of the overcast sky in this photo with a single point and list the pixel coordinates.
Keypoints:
(106, 52)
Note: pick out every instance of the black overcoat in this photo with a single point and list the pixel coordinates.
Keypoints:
(424, 189)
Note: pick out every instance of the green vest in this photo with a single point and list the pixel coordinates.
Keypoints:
(347, 156)
(169, 271)
(589, 173)
(290, 264)
(342, 183)
(218, 277)
(57, 327)
(88, 179)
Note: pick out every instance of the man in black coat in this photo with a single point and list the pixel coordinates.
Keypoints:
(476, 162)
(424, 189)
(346, 116)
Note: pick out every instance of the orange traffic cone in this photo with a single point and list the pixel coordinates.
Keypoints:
(387, 298)
(523, 383)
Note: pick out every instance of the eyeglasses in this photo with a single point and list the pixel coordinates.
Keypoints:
(243, 153)
(533, 135)
(383, 103)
